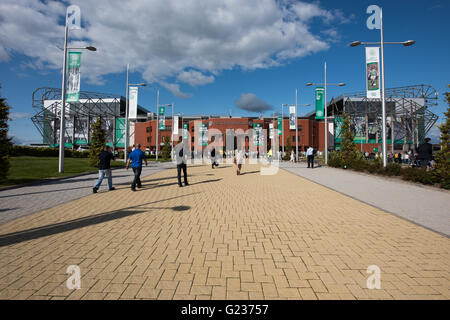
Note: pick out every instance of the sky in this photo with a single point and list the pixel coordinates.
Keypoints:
(244, 57)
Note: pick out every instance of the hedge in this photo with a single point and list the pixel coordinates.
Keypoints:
(419, 175)
(18, 151)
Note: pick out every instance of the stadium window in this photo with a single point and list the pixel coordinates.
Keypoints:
(149, 139)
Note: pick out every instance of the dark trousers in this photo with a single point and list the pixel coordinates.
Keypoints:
(137, 177)
(179, 167)
(311, 161)
(214, 163)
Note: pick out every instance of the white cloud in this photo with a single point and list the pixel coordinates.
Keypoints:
(19, 115)
(250, 102)
(194, 78)
(169, 41)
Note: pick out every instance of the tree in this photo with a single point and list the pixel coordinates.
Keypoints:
(5, 142)
(348, 148)
(98, 142)
(166, 149)
(442, 167)
(288, 150)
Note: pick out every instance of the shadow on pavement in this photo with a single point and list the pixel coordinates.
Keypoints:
(35, 233)
(39, 192)
(249, 172)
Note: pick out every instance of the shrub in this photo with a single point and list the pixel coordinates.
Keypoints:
(98, 142)
(393, 169)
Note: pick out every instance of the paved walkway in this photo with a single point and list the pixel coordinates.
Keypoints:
(222, 237)
(426, 206)
(19, 202)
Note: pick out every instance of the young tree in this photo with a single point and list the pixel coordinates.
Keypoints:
(98, 142)
(288, 149)
(348, 145)
(5, 142)
(442, 167)
(166, 149)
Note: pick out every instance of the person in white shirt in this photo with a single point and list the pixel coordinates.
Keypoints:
(310, 157)
(292, 156)
(238, 160)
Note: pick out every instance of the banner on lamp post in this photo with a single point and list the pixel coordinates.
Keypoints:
(185, 131)
(280, 126)
(292, 118)
(257, 134)
(73, 79)
(271, 131)
(162, 118)
(320, 103)
(203, 134)
(175, 125)
(132, 102)
(373, 72)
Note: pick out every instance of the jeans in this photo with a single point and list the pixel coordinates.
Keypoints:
(101, 175)
(137, 177)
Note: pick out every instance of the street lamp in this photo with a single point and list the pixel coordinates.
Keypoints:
(63, 96)
(296, 124)
(325, 84)
(125, 151)
(406, 43)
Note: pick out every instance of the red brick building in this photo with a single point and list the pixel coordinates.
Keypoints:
(310, 132)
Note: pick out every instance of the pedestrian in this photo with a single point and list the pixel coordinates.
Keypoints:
(135, 158)
(213, 158)
(269, 155)
(238, 160)
(310, 157)
(425, 153)
(181, 158)
(104, 169)
(292, 156)
(406, 158)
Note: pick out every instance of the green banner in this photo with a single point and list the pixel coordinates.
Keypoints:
(320, 103)
(73, 77)
(162, 118)
(280, 126)
(120, 132)
(185, 131)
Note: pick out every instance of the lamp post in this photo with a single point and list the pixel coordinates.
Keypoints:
(325, 84)
(126, 113)
(296, 121)
(63, 97)
(383, 98)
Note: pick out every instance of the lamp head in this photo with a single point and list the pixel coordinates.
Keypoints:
(408, 43)
(90, 48)
(355, 43)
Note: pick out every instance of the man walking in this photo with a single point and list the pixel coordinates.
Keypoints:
(135, 158)
(213, 158)
(181, 159)
(310, 157)
(104, 169)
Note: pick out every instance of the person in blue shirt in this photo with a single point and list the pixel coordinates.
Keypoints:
(135, 159)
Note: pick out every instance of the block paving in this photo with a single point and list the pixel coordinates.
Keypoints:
(223, 237)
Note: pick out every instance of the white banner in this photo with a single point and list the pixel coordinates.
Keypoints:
(373, 72)
(270, 130)
(292, 121)
(132, 104)
(175, 125)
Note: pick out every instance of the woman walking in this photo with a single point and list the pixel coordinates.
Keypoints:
(238, 160)
(292, 156)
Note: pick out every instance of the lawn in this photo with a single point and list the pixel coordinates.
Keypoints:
(31, 169)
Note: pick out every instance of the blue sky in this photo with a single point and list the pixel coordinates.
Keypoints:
(205, 66)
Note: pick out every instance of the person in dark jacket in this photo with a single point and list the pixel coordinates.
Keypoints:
(213, 158)
(104, 169)
(181, 159)
(425, 153)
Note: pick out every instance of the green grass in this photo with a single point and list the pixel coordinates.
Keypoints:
(31, 169)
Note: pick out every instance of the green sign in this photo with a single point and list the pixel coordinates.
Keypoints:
(120, 132)
(280, 126)
(162, 118)
(320, 103)
(185, 131)
(73, 77)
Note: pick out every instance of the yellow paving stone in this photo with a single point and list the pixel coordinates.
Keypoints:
(227, 244)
